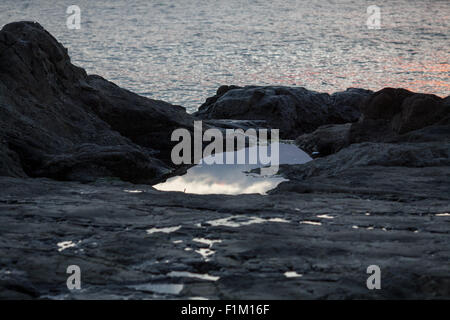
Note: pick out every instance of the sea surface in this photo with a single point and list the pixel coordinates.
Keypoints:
(181, 51)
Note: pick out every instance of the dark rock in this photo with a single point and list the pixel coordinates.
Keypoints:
(384, 104)
(376, 130)
(57, 121)
(16, 285)
(88, 162)
(398, 111)
(10, 163)
(380, 213)
(421, 110)
(148, 123)
(389, 115)
(235, 124)
(325, 140)
(292, 110)
(427, 134)
(369, 155)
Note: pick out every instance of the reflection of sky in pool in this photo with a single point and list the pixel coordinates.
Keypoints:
(232, 179)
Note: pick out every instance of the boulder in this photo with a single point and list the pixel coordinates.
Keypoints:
(293, 110)
(421, 110)
(389, 115)
(56, 121)
(325, 140)
(384, 104)
(404, 111)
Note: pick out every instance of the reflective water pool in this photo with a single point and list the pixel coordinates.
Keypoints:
(233, 178)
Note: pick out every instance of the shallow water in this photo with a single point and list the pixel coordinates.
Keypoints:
(161, 288)
(181, 51)
(233, 178)
(163, 230)
(186, 274)
(239, 221)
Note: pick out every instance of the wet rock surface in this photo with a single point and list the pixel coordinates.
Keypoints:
(376, 195)
(313, 237)
(129, 240)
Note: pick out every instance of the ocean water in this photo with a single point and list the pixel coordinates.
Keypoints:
(182, 50)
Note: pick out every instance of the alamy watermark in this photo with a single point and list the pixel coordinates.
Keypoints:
(73, 21)
(374, 281)
(374, 17)
(74, 280)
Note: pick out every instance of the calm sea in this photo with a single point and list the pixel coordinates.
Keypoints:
(182, 50)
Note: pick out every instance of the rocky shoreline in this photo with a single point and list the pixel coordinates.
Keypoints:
(79, 155)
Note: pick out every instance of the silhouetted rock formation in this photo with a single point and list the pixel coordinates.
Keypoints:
(389, 115)
(58, 122)
(292, 110)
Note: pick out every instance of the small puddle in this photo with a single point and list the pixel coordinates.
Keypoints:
(324, 216)
(206, 252)
(186, 274)
(162, 288)
(239, 221)
(66, 245)
(313, 223)
(292, 274)
(233, 178)
(133, 191)
(163, 230)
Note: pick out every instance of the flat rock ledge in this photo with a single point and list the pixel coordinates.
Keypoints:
(131, 240)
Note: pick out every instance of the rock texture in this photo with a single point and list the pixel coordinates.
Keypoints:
(379, 197)
(389, 115)
(292, 110)
(327, 228)
(325, 140)
(56, 121)
(313, 237)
